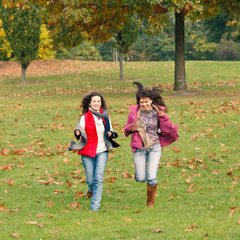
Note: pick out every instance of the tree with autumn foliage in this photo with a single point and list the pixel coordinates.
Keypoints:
(125, 38)
(72, 21)
(46, 49)
(194, 10)
(5, 48)
(21, 24)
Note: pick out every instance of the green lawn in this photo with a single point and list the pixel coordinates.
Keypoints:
(43, 185)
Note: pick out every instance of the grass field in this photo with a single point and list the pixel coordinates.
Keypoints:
(43, 185)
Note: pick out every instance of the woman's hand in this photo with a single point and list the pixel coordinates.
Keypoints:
(77, 132)
(109, 134)
(133, 127)
(160, 113)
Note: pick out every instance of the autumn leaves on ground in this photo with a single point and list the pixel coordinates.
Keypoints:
(43, 185)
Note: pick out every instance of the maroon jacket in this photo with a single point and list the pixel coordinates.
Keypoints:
(167, 135)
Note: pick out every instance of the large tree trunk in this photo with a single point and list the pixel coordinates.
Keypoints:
(180, 76)
(24, 74)
(121, 65)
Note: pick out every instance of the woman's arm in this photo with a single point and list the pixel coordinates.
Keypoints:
(110, 132)
(131, 125)
(80, 128)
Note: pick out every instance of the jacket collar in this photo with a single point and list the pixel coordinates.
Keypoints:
(134, 108)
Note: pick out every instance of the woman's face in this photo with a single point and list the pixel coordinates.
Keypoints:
(145, 103)
(95, 103)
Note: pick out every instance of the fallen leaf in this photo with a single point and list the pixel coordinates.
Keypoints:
(2, 208)
(35, 223)
(190, 228)
(158, 231)
(75, 205)
(32, 222)
(25, 185)
(176, 149)
(56, 230)
(40, 215)
(138, 211)
(16, 235)
(49, 204)
(232, 211)
(188, 180)
(67, 161)
(4, 151)
(127, 175)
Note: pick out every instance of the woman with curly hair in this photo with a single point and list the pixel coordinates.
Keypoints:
(151, 130)
(96, 133)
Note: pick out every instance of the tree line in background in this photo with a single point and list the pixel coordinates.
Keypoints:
(124, 27)
(207, 40)
(202, 43)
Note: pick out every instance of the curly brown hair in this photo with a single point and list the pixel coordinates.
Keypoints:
(154, 94)
(87, 99)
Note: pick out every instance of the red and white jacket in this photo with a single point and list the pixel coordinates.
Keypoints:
(90, 149)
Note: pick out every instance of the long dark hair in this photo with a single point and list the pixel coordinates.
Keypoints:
(87, 99)
(154, 94)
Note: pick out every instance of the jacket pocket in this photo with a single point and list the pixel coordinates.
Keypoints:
(136, 141)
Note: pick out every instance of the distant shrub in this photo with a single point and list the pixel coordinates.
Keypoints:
(198, 48)
(105, 50)
(153, 48)
(228, 50)
(85, 51)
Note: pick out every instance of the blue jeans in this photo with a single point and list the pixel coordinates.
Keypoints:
(146, 164)
(94, 168)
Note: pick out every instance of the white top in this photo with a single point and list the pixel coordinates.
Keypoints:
(101, 147)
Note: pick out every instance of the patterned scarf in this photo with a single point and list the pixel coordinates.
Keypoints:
(104, 116)
(147, 143)
(98, 114)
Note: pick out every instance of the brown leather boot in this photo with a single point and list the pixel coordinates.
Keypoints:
(151, 195)
(89, 194)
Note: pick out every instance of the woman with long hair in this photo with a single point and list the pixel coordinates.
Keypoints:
(96, 129)
(151, 130)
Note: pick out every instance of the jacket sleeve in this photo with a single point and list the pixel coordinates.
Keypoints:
(165, 117)
(127, 127)
(114, 134)
(110, 123)
(80, 127)
(168, 128)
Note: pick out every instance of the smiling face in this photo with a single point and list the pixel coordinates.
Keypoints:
(145, 103)
(96, 103)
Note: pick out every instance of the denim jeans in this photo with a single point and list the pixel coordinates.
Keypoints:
(146, 164)
(94, 168)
